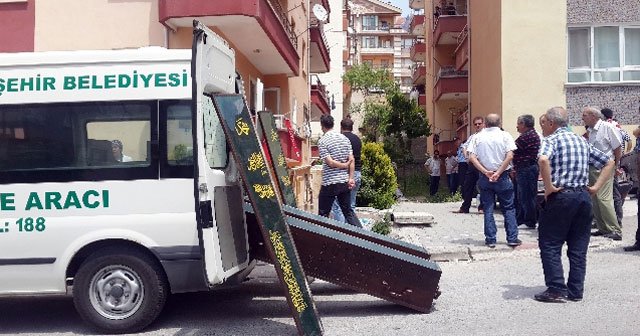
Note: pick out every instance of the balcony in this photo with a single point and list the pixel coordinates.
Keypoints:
(462, 51)
(319, 99)
(376, 29)
(451, 84)
(417, 25)
(259, 29)
(319, 53)
(419, 75)
(416, 4)
(418, 52)
(377, 49)
(447, 28)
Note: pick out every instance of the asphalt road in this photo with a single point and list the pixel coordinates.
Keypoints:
(488, 297)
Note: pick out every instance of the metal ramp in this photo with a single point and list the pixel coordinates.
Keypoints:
(332, 251)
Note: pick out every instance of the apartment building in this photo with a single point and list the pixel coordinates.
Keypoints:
(521, 57)
(378, 36)
(277, 48)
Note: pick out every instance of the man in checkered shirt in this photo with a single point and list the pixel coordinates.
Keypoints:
(566, 216)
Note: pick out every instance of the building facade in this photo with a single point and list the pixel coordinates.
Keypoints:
(521, 57)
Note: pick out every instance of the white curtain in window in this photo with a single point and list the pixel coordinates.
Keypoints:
(632, 46)
(607, 47)
(579, 55)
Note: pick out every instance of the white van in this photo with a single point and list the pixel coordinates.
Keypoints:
(99, 192)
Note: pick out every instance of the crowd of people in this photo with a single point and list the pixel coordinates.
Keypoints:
(581, 187)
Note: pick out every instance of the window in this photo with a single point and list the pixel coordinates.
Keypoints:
(604, 54)
(369, 41)
(369, 22)
(407, 43)
(80, 141)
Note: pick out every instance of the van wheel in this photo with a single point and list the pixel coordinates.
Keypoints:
(119, 290)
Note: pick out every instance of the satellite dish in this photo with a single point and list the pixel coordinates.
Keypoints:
(320, 12)
(350, 30)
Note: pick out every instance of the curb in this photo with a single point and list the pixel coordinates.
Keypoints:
(483, 253)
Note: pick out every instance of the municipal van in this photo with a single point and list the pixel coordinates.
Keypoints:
(100, 195)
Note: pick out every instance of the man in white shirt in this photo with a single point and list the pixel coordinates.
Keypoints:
(433, 167)
(605, 137)
(491, 152)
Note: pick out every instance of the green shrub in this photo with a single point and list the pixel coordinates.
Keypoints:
(383, 227)
(379, 182)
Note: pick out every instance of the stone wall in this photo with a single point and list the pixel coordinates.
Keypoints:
(624, 100)
(602, 11)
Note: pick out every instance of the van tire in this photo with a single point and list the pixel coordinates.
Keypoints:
(119, 290)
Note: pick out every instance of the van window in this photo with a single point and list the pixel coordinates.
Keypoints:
(179, 135)
(67, 138)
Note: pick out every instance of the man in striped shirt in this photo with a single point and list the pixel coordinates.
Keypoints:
(566, 216)
(338, 167)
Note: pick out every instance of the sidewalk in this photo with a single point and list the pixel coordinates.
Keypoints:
(460, 236)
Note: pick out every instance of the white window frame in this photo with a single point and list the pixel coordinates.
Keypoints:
(592, 69)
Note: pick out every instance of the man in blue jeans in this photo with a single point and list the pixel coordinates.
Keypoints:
(525, 163)
(337, 172)
(491, 152)
(346, 127)
(566, 216)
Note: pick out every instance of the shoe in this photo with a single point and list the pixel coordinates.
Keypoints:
(459, 211)
(574, 299)
(515, 243)
(598, 233)
(550, 296)
(490, 245)
(614, 236)
(634, 247)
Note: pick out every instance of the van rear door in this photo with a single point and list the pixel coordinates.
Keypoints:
(218, 195)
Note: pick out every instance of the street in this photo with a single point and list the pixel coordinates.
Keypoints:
(486, 297)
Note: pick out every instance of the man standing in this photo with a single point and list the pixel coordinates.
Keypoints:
(337, 172)
(566, 215)
(491, 152)
(433, 167)
(450, 167)
(525, 162)
(471, 176)
(346, 127)
(604, 137)
(636, 245)
(619, 193)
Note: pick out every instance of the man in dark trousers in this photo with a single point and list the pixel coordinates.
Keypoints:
(346, 127)
(338, 167)
(525, 163)
(566, 216)
(471, 176)
(636, 245)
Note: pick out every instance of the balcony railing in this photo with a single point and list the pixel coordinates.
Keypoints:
(451, 84)
(284, 20)
(382, 27)
(319, 98)
(449, 71)
(462, 50)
